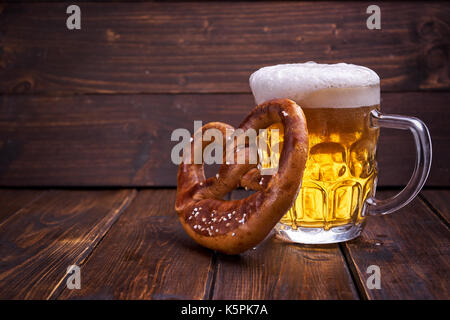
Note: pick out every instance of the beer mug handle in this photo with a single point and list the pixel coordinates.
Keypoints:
(422, 140)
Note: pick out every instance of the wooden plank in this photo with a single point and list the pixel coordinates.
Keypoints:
(122, 140)
(439, 200)
(279, 270)
(59, 229)
(212, 47)
(411, 248)
(12, 200)
(102, 140)
(147, 255)
(396, 151)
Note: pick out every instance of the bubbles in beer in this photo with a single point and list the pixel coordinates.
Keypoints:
(340, 171)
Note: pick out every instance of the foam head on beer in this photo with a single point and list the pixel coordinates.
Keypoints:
(314, 85)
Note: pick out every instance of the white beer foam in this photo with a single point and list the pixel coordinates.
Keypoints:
(313, 85)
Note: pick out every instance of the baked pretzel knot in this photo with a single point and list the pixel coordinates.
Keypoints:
(235, 226)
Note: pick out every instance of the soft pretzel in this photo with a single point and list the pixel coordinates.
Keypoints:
(235, 226)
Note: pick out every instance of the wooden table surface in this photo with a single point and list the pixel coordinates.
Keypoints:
(130, 245)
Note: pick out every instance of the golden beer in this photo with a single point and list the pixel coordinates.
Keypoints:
(340, 171)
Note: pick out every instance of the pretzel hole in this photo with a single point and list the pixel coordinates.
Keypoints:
(211, 170)
(241, 193)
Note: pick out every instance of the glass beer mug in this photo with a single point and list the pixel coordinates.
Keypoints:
(341, 103)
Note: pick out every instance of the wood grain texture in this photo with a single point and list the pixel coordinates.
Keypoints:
(12, 200)
(59, 229)
(279, 270)
(396, 151)
(125, 140)
(439, 200)
(412, 249)
(212, 47)
(147, 255)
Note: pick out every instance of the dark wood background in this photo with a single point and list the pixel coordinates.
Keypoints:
(96, 106)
